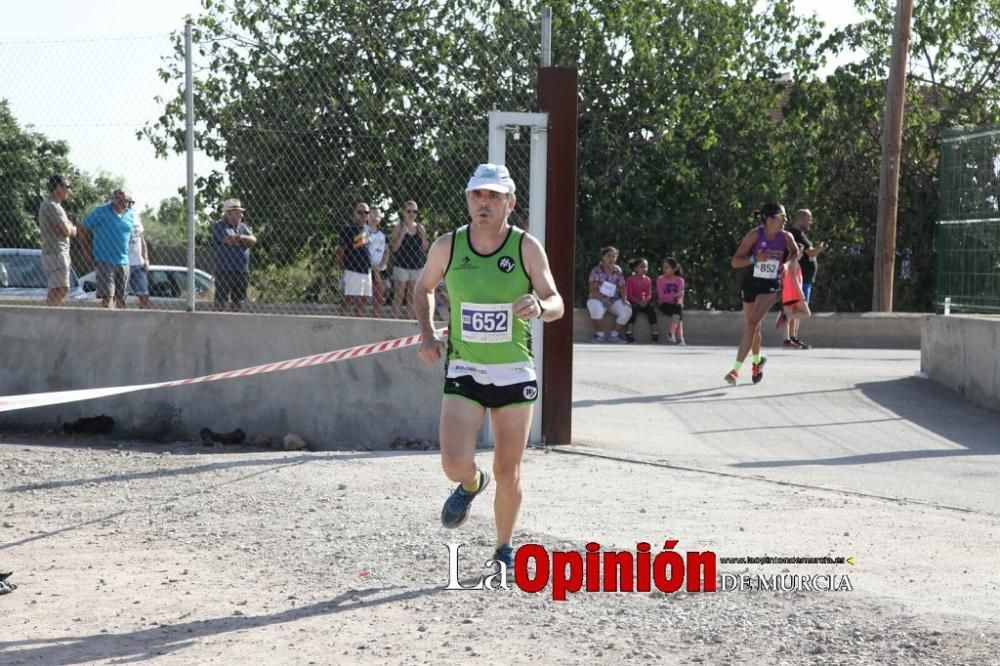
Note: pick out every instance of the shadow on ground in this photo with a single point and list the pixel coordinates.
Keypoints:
(924, 404)
(148, 643)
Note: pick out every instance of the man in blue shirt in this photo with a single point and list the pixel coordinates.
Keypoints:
(232, 240)
(110, 227)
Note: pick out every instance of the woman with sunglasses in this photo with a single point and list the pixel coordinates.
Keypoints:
(409, 245)
(762, 252)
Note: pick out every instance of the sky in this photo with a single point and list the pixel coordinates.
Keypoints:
(86, 73)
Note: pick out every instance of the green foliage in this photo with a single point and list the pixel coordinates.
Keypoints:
(692, 114)
(952, 80)
(298, 282)
(310, 105)
(167, 225)
(27, 160)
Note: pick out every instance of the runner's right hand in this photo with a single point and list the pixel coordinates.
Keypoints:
(430, 350)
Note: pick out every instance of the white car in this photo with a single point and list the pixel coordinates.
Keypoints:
(167, 284)
(22, 277)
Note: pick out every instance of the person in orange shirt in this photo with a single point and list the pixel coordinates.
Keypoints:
(793, 300)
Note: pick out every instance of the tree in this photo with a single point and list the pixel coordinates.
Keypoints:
(27, 160)
(954, 79)
(679, 136)
(317, 104)
(692, 114)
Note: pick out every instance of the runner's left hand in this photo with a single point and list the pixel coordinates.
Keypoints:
(526, 307)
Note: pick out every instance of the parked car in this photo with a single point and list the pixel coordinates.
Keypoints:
(23, 278)
(167, 285)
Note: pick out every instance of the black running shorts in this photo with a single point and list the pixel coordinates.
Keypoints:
(754, 287)
(491, 396)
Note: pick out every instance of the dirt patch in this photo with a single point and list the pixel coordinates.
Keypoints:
(184, 554)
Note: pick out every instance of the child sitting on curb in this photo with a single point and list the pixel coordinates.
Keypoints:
(670, 290)
(639, 291)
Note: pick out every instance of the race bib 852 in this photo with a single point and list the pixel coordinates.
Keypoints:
(768, 270)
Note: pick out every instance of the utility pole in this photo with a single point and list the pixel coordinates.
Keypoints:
(888, 182)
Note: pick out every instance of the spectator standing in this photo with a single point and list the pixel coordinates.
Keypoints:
(409, 246)
(607, 294)
(377, 247)
(110, 227)
(670, 291)
(138, 264)
(793, 300)
(801, 224)
(232, 240)
(56, 231)
(639, 289)
(353, 258)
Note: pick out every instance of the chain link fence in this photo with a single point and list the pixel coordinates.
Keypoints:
(82, 118)
(968, 231)
(323, 150)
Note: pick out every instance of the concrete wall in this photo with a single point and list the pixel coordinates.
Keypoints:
(871, 330)
(962, 352)
(362, 402)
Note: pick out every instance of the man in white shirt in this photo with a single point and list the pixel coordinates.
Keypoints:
(138, 264)
(380, 259)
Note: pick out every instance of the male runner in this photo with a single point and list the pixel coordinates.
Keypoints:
(490, 268)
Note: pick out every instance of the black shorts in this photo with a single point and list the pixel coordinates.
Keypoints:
(231, 286)
(491, 396)
(672, 309)
(754, 287)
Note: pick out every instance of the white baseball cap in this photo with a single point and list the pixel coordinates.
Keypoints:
(494, 177)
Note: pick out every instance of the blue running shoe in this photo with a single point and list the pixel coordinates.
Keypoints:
(456, 507)
(505, 553)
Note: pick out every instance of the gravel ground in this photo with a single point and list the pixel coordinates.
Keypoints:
(183, 554)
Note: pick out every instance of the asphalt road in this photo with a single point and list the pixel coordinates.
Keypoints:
(851, 420)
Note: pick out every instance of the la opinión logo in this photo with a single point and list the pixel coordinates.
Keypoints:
(594, 570)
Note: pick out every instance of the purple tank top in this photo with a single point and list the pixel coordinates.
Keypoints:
(772, 267)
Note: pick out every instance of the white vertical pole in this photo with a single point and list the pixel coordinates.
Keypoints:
(539, 124)
(189, 113)
(536, 227)
(498, 138)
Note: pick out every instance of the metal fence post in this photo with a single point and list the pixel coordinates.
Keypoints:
(189, 147)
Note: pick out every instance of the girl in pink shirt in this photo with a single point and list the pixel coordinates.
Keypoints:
(639, 291)
(670, 290)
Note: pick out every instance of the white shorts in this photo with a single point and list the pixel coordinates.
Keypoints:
(619, 308)
(406, 274)
(357, 284)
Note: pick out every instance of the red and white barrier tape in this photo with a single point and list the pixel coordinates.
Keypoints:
(13, 402)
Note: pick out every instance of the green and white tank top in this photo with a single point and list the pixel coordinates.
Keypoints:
(485, 340)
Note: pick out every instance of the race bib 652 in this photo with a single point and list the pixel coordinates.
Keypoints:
(486, 322)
